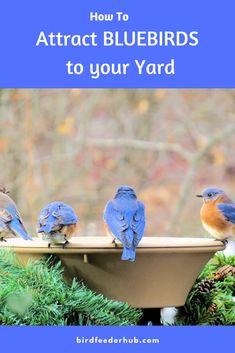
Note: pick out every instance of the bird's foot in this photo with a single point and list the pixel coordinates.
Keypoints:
(115, 243)
(65, 243)
(2, 239)
(225, 242)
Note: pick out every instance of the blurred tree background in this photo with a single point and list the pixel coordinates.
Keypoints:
(79, 145)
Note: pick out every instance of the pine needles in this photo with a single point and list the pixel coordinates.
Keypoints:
(210, 301)
(37, 295)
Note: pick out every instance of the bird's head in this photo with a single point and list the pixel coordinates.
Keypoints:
(4, 190)
(125, 191)
(214, 194)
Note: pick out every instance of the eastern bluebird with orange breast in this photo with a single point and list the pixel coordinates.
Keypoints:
(10, 219)
(125, 218)
(218, 214)
(57, 223)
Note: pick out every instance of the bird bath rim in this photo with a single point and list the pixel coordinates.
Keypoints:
(89, 244)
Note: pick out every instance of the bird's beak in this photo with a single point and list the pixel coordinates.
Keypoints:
(199, 196)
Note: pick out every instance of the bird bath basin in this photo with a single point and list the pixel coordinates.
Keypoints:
(162, 275)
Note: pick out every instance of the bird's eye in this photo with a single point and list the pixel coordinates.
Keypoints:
(209, 194)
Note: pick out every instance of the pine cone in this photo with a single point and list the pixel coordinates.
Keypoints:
(223, 272)
(213, 308)
(206, 286)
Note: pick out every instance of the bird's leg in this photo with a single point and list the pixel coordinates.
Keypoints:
(65, 243)
(225, 241)
(2, 239)
(115, 243)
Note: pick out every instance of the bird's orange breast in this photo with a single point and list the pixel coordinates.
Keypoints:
(211, 216)
(214, 222)
(69, 230)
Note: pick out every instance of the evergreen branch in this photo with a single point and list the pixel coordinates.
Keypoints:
(37, 295)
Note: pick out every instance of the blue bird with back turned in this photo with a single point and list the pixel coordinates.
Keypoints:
(57, 223)
(125, 219)
(11, 223)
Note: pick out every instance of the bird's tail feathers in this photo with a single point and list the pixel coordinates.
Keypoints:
(128, 254)
(18, 229)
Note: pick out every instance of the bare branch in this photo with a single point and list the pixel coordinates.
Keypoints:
(194, 163)
(124, 143)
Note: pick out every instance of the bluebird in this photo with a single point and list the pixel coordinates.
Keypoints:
(218, 214)
(125, 219)
(11, 223)
(57, 223)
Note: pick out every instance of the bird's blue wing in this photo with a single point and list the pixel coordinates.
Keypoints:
(5, 218)
(45, 224)
(115, 220)
(54, 215)
(228, 211)
(138, 223)
(65, 214)
(43, 215)
(5, 215)
(15, 222)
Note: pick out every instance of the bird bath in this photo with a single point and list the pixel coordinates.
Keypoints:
(162, 275)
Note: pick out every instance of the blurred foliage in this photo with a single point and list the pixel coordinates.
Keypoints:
(37, 295)
(51, 149)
